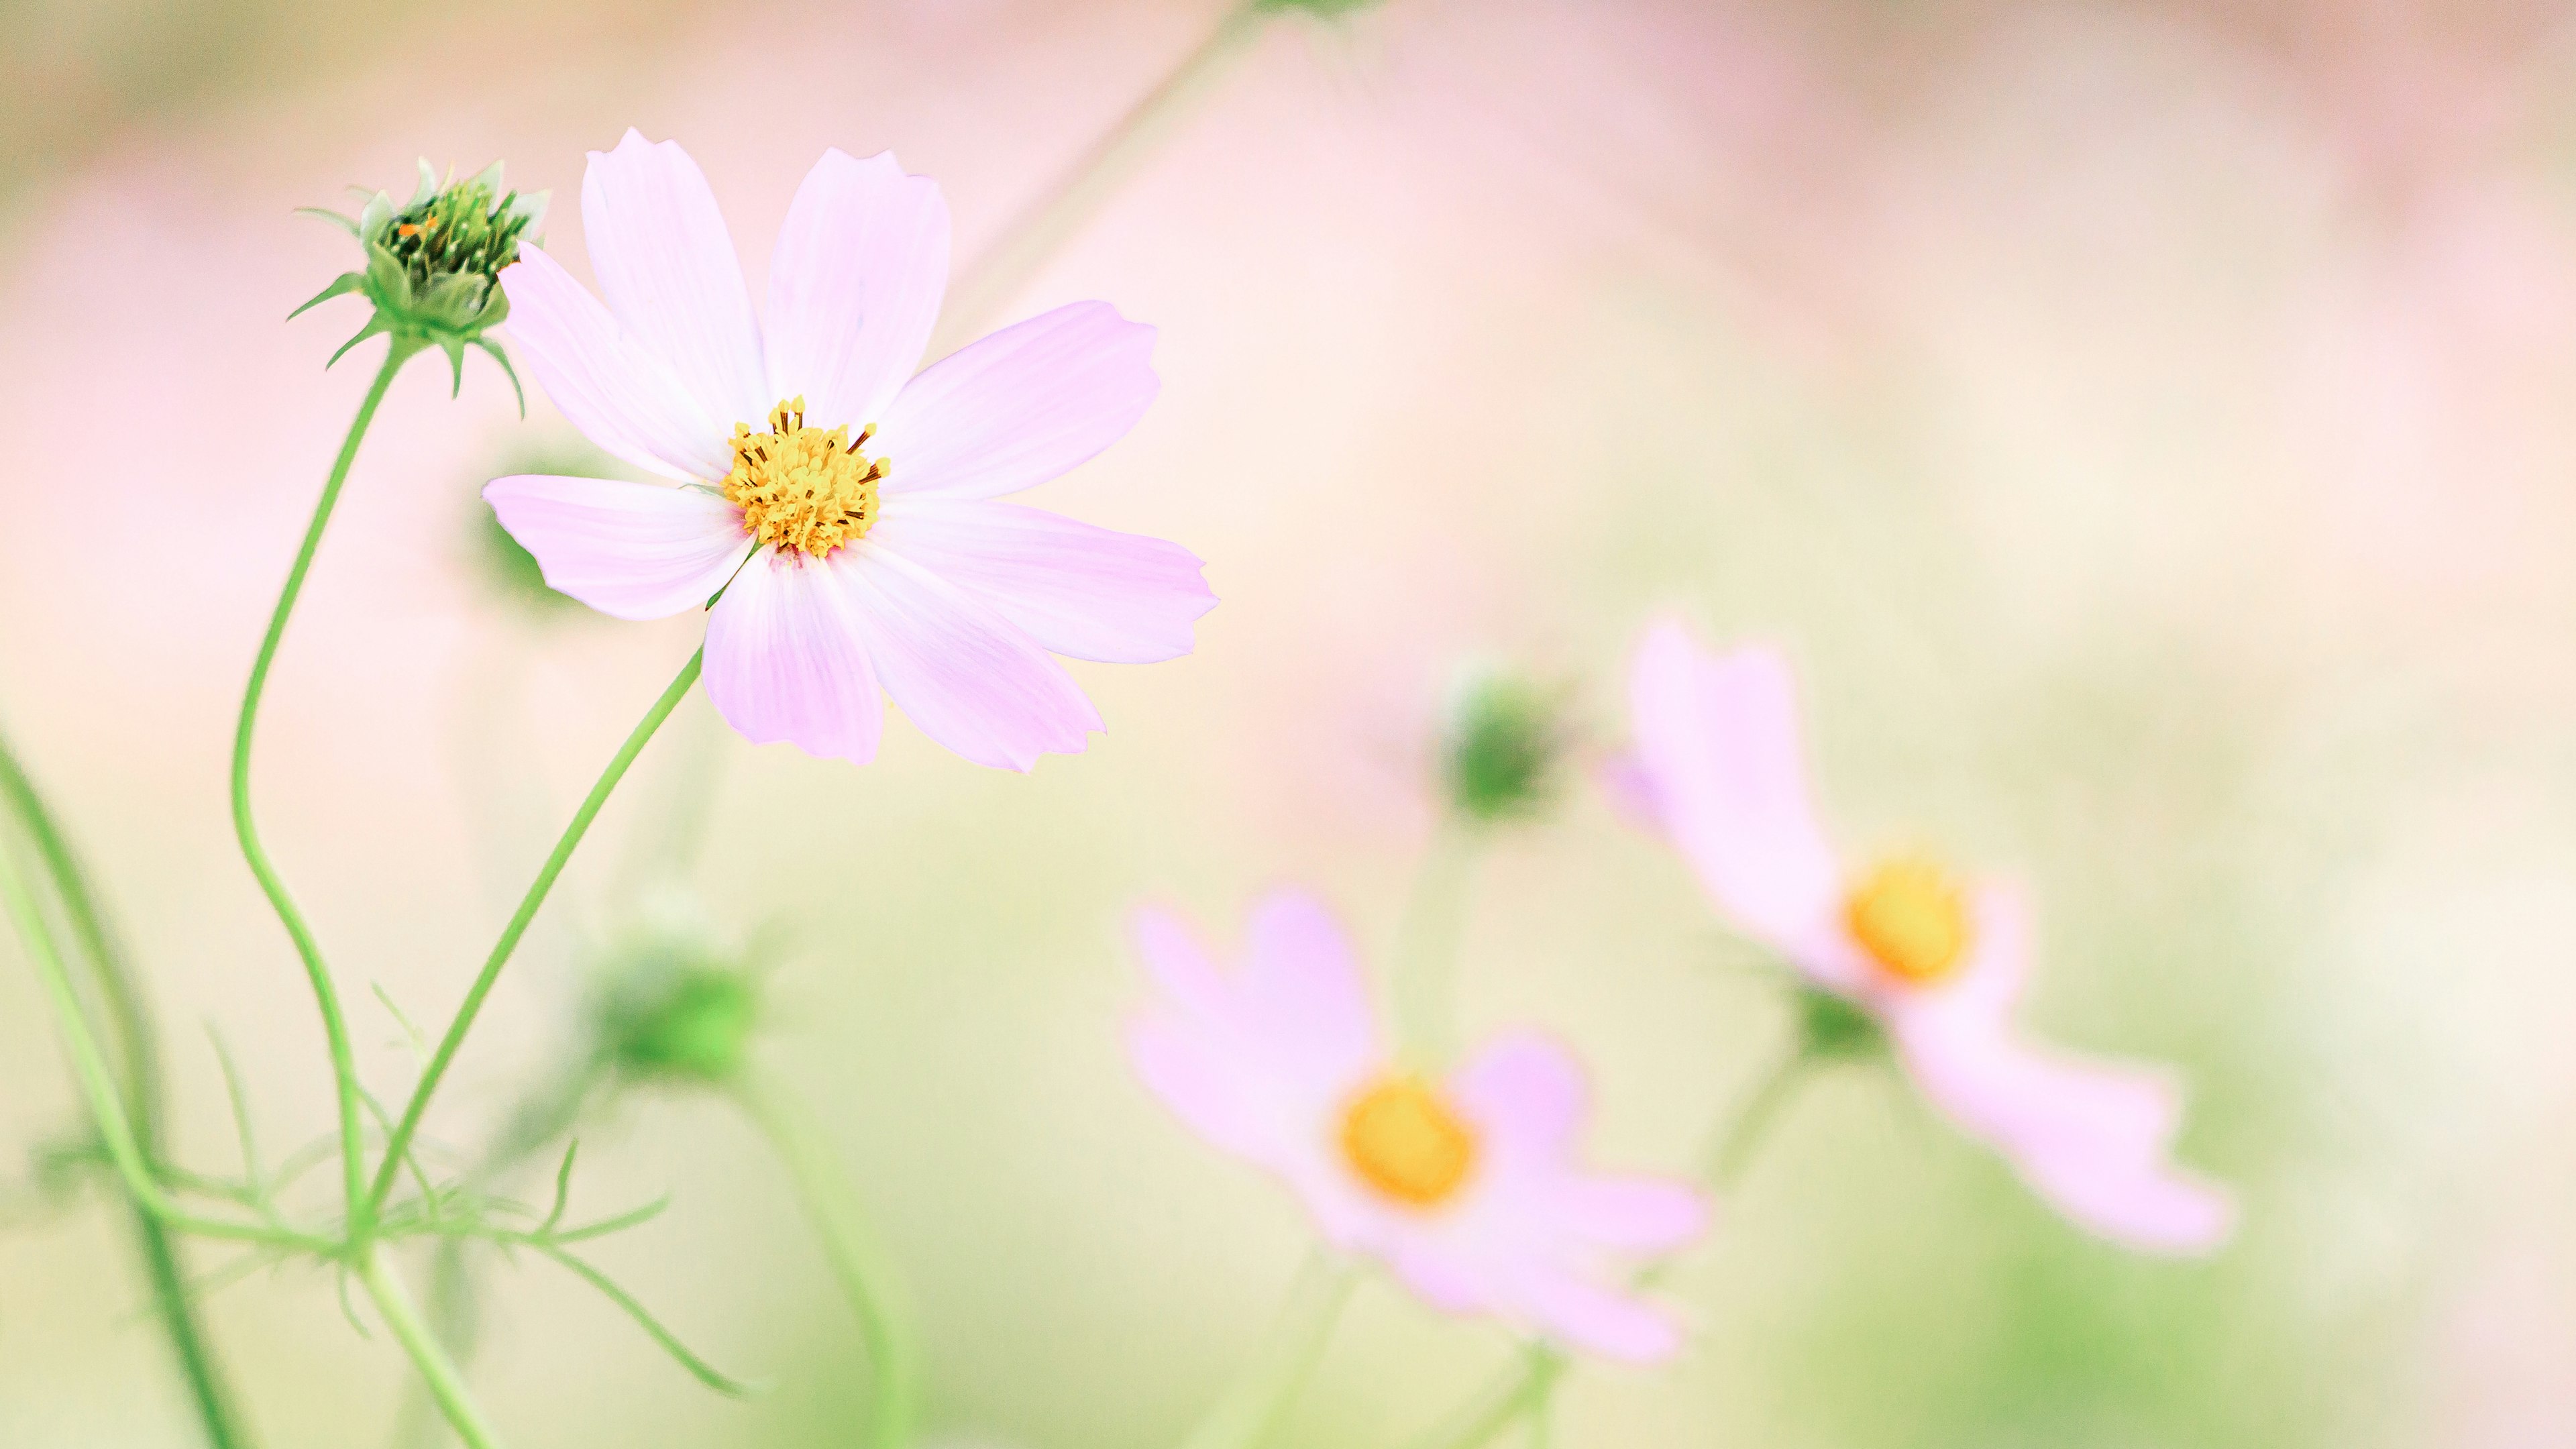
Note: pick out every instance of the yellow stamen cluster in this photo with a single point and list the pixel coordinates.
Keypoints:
(1407, 1143)
(803, 488)
(1912, 919)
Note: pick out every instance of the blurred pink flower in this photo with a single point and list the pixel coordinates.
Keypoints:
(1718, 768)
(849, 517)
(1467, 1188)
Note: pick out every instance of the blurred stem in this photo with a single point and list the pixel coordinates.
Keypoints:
(98, 1084)
(1426, 943)
(400, 1139)
(393, 1301)
(138, 1049)
(988, 284)
(1525, 1390)
(1249, 1413)
(860, 1262)
(335, 1027)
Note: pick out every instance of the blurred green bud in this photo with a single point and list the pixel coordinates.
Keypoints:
(433, 266)
(1501, 742)
(674, 1008)
(1832, 1028)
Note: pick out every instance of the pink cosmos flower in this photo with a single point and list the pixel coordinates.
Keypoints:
(1718, 768)
(1468, 1188)
(844, 505)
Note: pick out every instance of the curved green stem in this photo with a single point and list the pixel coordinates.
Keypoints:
(207, 1388)
(1426, 945)
(986, 286)
(1249, 1413)
(335, 1027)
(463, 1022)
(860, 1262)
(446, 1385)
(98, 1085)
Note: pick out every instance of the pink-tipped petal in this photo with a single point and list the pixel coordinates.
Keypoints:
(964, 675)
(2159, 1210)
(604, 380)
(630, 550)
(1082, 591)
(667, 265)
(1020, 407)
(1302, 987)
(1633, 1214)
(854, 285)
(1526, 1095)
(1718, 738)
(1582, 1314)
(786, 661)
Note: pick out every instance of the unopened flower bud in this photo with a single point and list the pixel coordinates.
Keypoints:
(1500, 745)
(675, 1008)
(433, 265)
(1830, 1027)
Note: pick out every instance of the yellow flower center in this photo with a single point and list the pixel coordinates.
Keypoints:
(803, 488)
(1912, 919)
(1406, 1142)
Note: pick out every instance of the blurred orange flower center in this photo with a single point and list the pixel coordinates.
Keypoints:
(803, 488)
(1408, 1143)
(1912, 919)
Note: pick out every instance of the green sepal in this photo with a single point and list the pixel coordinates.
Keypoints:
(348, 224)
(341, 286)
(454, 347)
(374, 325)
(1831, 1028)
(512, 373)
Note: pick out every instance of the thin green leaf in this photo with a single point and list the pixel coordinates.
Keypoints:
(241, 1108)
(563, 1188)
(411, 1161)
(618, 1224)
(411, 1033)
(699, 1369)
(349, 1310)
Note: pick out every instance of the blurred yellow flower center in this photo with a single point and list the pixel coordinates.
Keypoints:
(803, 488)
(1407, 1143)
(1911, 918)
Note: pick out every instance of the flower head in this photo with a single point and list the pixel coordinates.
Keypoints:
(844, 507)
(1936, 961)
(433, 264)
(1467, 1186)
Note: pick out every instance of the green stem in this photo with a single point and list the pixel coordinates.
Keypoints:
(335, 1027)
(1249, 1413)
(1524, 1390)
(860, 1262)
(98, 1085)
(1426, 945)
(207, 1388)
(446, 1385)
(988, 284)
(400, 1142)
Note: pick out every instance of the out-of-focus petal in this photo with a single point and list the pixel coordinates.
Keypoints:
(1301, 985)
(1632, 1214)
(1204, 1090)
(604, 380)
(667, 265)
(1526, 1095)
(631, 550)
(2090, 1137)
(1078, 590)
(962, 673)
(1584, 1315)
(1631, 792)
(1718, 739)
(1021, 406)
(786, 660)
(854, 285)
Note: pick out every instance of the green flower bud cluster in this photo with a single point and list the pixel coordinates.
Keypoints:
(433, 265)
(1500, 747)
(675, 1009)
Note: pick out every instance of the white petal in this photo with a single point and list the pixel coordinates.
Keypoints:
(966, 677)
(605, 381)
(854, 285)
(1083, 591)
(1021, 406)
(631, 550)
(786, 661)
(667, 265)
